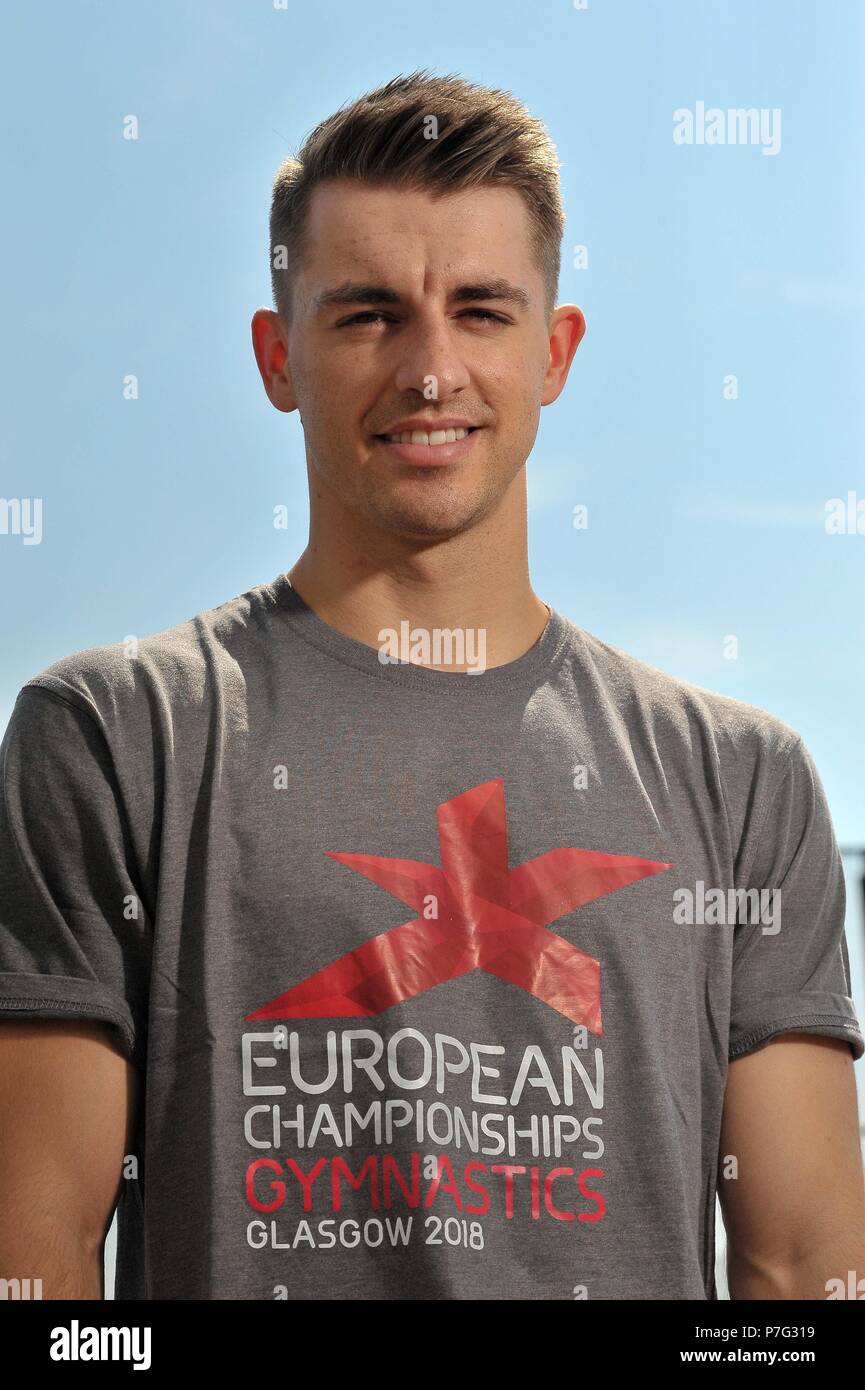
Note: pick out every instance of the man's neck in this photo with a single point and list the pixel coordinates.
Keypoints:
(503, 625)
(476, 583)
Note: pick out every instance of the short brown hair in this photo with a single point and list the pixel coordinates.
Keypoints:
(483, 136)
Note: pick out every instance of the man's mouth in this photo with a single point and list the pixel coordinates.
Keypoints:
(433, 438)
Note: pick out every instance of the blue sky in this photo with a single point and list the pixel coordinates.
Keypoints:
(706, 515)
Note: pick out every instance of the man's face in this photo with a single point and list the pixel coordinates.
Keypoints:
(410, 312)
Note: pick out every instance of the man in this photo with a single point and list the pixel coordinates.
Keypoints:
(458, 954)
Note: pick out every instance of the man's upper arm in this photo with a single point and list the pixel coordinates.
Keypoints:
(75, 933)
(790, 1168)
(790, 965)
(68, 1105)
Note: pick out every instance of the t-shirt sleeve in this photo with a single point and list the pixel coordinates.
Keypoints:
(791, 971)
(74, 932)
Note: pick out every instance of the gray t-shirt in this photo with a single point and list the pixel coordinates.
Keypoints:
(432, 978)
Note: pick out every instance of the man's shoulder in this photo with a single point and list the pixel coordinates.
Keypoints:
(178, 663)
(675, 710)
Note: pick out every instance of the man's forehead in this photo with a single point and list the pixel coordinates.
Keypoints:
(340, 202)
(373, 234)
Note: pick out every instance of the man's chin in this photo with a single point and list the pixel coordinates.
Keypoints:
(412, 527)
(429, 518)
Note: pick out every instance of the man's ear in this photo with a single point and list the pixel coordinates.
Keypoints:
(270, 345)
(567, 327)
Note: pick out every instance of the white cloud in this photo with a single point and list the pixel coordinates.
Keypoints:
(810, 293)
(556, 483)
(754, 513)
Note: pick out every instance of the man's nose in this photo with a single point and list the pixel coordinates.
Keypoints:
(431, 359)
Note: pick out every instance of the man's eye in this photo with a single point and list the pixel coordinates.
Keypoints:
(368, 316)
(374, 315)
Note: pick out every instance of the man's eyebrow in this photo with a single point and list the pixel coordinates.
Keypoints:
(363, 292)
(356, 292)
(496, 288)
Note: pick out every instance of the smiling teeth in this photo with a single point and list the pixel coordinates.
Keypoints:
(422, 437)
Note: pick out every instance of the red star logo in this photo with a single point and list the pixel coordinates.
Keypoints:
(488, 918)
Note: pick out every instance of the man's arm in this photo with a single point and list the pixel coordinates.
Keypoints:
(67, 1113)
(795, 1214)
